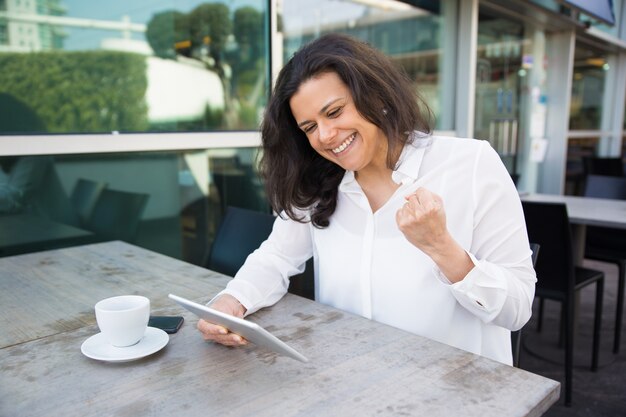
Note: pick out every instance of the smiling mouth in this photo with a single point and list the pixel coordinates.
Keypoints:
(345, 144)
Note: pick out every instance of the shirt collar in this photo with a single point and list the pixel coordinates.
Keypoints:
(408, 164)
(348, 183)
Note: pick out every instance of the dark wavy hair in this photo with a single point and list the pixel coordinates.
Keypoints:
(296, 176)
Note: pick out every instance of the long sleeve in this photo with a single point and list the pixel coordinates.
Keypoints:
(500, 289)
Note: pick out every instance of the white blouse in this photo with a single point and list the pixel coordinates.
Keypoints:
(364, 264)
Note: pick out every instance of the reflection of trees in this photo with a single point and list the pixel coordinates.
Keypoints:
(165, 27)
(231, 47)
(209, 27)
(248, 62)
(248, 31)
(78, 92)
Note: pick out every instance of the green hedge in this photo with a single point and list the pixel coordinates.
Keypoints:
(81, 92)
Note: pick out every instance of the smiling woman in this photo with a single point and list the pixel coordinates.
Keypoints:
(339, 133)
(334, 127)
(419, 232)
(335, 86)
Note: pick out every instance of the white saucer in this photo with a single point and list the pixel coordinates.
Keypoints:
(97, 348)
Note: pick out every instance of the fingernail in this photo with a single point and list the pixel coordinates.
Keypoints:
(223, 331)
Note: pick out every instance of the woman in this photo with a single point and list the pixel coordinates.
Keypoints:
(423, 233)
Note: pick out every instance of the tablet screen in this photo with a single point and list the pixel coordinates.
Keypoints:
(247, 329)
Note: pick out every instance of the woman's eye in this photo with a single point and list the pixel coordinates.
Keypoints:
(309, 128)
(334, 112)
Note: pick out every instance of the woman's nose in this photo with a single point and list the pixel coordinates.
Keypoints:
(326, 131)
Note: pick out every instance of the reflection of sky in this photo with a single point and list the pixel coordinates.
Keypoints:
(139, 11)
(307, 13)
(307, 16)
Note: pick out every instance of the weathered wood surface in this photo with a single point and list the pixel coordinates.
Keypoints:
(356, 366)
(45, 293)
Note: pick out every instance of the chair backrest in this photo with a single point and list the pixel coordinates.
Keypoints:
(116, 214)
(240, 232)
(548, 226)
(594, 165)
(604, 186)
(534, 247)
(84, 196)
(516, 336)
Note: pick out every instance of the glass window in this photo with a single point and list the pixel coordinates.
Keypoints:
(81, 66)
(414, 37)
(169, 202)
(503, 66)
(4, 33)
(549, 4)
(590, 68)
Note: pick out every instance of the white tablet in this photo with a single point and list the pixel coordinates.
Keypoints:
(247, 329)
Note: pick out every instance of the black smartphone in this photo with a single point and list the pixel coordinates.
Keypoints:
(170, 324)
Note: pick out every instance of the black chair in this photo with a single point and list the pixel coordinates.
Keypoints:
(116, 215)
(240, 233)
(237, 184)
(84, 196)
(609, 245)
(558, 278)
(594, 165)
(516, 336)
(605, 186)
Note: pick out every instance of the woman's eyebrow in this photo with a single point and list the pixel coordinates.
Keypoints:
(322, 110)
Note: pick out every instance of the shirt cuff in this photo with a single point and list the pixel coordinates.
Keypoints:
(481, 290)
(444, 279)
(244, 292)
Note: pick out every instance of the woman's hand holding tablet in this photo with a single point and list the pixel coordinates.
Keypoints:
(225, 328)
(219, 334)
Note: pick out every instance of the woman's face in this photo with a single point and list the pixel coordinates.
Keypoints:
(323, 108)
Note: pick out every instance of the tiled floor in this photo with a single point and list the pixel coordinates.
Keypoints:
(601, 393)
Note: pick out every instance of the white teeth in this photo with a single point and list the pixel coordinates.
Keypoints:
(345, 144)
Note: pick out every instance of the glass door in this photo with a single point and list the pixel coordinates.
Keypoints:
(500, 72)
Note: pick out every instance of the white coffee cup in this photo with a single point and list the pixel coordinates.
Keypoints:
(123, 320)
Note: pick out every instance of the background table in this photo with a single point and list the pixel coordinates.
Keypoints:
(356, 366)
(586, 210)
(25, 232)
(583, 212)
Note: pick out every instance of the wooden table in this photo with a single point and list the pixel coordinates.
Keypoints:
(25, 232)
(356, 366)
(50, 292)
(586, 211)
